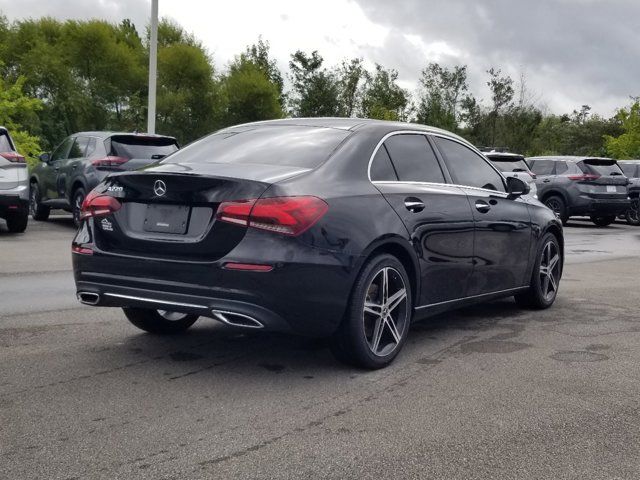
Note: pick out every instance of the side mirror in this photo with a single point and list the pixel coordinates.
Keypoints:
(516, 187)
(45, 157)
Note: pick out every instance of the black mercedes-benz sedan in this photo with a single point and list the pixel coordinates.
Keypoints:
(346, 228)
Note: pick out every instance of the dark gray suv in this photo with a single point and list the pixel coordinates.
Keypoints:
(578, 186)
(631, 169)
(64, 177)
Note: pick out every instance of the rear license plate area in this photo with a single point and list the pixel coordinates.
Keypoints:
(612, 189)
(166, 219)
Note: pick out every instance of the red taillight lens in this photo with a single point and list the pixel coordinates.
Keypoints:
(81, 250)
(13, 157)
(98, 205)
(109, 161)
(584, 177)
(285, 215)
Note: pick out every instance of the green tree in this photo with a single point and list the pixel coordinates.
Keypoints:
(627, 144)
(17, 113)
(259, 55)
(383, 98)
(251, 95)
(441, 95)
(502, 93)
(350, 75)
(315, 89)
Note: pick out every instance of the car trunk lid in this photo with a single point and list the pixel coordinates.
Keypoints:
(602, 178)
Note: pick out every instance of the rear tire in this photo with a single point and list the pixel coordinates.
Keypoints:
(603, 220)
(559, 207)
(633, 214)
(159, 321)
(76, 205)
(38, 211)
(17, 221)
(376, 323)
(545, 278)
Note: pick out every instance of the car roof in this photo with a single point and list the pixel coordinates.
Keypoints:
(351, 124)
(567, 158)
(632, 161)
(107, 134)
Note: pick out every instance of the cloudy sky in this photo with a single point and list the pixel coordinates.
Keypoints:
(572, 52)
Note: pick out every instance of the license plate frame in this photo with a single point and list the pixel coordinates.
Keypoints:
(162, 218)
(612, 189)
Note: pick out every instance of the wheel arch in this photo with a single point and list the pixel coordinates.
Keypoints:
(77, 183)
(403, 251)
(555, 193)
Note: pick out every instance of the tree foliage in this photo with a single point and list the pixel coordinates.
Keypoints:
(627, 144)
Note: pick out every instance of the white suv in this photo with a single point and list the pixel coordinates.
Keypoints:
(514, 165)
(14, 185)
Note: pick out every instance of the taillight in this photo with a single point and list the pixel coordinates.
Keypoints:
(98, 205)
(13, 157)
(109, 161)
(285, 215)
(584, 177)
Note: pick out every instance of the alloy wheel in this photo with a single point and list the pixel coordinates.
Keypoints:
(632, 213)
(385, 312)
(554, 205)
(78, 199)
(33, 201)
(550, 270)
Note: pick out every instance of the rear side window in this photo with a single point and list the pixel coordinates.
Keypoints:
(381, 167)
(601, 167)
(297, 146)
(561, 167)
(150, 148)
(5, 144)
(467, 167)
(543, 167)
(629, 169)
(413, 159)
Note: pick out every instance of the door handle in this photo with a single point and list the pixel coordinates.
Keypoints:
(482, 206)
(546, 180)
(74, 167)
(414, 205)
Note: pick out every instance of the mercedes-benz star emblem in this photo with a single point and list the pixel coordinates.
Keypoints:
(159, 188)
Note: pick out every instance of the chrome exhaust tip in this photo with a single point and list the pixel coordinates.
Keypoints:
(88, 298)
(236, 319)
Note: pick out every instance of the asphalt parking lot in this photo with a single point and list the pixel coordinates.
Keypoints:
(485, 392)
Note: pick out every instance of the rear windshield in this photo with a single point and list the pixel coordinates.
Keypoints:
(5, 144)
(142, 147)
(509, 164)
(297, 146)
(602, 167)
(629, 169)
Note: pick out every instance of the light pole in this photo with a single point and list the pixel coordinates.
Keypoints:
(153, 68)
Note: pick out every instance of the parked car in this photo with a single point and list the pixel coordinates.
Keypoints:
(631, 168)
(14, 185)
(344, 227)
(514, 165)
(64, 177)
(576, 186)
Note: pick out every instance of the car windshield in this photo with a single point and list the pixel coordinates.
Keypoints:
(5, 145)
(602, 167)
(510, 164)
(142, 147)
(292, 145)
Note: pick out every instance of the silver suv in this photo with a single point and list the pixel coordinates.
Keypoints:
(578, 186)
(14, 185)
(514, 165)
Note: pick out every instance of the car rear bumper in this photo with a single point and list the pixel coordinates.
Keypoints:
(306, 299)
(602, 207)
(14, 200)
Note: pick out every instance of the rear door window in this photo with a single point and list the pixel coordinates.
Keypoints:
(79, 147)
(150, 148)
(543, 167)
(413, 159)
(467, 167)
(561, 167)
(381, 167)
